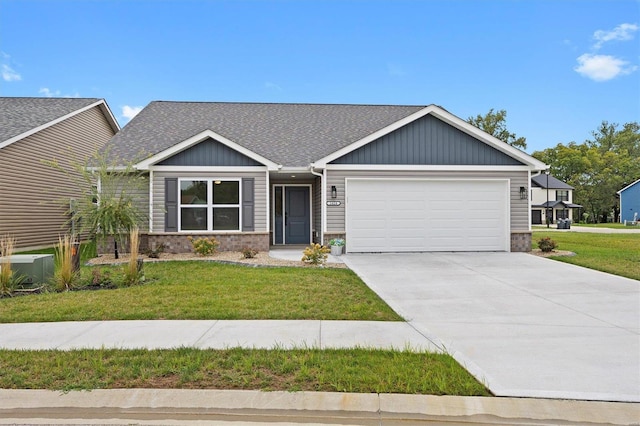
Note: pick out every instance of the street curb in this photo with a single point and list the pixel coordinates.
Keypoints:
(187, 405)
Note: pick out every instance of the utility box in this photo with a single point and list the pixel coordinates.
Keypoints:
(35, 268)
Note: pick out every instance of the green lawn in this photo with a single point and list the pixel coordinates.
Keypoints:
(357, 370)
(617, 254)
(208, 290)
(606, 225)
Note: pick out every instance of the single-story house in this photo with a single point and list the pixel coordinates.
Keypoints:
(551, 199)
(33, 130)
(387, 178)
(630, 203)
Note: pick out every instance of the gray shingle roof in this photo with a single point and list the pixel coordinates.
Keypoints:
(19, 115)
(293, 135)
(541, 181)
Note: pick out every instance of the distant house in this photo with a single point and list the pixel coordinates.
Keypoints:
(33, 130)
(389, 178)
(550, 198)
(630, 202)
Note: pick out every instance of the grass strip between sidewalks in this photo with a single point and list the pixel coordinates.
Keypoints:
(208, 290)
(355, 370)
(617, 254)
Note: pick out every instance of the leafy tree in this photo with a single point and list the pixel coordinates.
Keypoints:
(598, 168)
(495, 123)
(107, 205)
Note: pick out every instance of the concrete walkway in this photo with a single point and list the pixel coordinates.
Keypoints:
(213, 334)
(525, 325)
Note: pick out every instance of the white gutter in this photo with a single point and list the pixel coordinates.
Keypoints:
(323, 197)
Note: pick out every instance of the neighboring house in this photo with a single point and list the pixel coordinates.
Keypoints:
(552, 198)
(630, 202)
(33, 130)
(387, 178)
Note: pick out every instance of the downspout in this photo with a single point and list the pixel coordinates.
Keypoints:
(323, 196)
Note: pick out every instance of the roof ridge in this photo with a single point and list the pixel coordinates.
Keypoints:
(289, 103)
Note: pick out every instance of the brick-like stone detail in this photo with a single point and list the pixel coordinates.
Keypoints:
(521, 241)
(179, 243)
(329, 236)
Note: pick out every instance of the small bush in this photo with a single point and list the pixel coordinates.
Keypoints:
(249, 253)
(100, 277)
(64, 277)
(546, 244)
(337, 242)
(204, 246)
(315, 254)
(156, 252)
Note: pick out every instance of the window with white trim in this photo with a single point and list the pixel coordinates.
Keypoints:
(209, 205)
(562, 195)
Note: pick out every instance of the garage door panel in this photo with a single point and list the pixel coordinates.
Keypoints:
(427, 215)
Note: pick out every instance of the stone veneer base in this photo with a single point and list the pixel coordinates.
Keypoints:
(179, 243)
(521, 241)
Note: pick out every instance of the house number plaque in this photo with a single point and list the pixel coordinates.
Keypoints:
(333, 203)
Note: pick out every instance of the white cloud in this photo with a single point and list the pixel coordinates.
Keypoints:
(602, 67)
(48, 93)
(129, 112)
(621, 32)
(8, 74)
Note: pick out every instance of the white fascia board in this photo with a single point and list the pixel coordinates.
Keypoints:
(447, 117)
(426, 168)
(627, 187)
(145, 164)
(232, 169)
(30, 132)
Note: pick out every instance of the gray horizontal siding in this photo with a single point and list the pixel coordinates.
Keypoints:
(260, 202)
(33, 196)
(427, 141)
(209, 153)
(519, 208)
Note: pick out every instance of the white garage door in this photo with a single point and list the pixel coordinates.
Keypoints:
(427, 215)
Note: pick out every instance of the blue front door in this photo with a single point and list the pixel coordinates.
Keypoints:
(297, 215)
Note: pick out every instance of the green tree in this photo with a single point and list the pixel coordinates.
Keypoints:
(107, 204)
(495, 123)
(598, 168)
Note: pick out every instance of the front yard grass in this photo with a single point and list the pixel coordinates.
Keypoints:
(617, 254)
(208, 290)
(355, 370)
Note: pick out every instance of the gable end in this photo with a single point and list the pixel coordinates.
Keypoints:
(427, 141)
(209, 152)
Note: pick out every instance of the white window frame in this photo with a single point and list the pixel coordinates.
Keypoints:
(210, 206)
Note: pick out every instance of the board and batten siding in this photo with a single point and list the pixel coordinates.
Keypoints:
(34, 196)
(260, 201)
(519, 208)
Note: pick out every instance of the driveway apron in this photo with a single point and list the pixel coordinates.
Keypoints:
(524, 325)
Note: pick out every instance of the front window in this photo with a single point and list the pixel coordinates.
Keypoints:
(562, 195)
(209, 205)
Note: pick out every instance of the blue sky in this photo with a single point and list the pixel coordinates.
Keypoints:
(557, 67)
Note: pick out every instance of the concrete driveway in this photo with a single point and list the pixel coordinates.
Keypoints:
(524, 325)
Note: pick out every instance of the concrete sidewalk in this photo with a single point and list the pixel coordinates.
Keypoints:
(213, 334)
(589, 229)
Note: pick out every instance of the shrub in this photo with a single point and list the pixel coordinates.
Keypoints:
(155, 253)
(546, 244)
(204, 246)
(64, 277)
(133, 269)
(249, 253)
(8, 279)
(315, 254)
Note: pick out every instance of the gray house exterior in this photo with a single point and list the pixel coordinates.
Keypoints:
(33, 130)
(387, 178)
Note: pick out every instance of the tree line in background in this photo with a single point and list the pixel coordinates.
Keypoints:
(596, 168)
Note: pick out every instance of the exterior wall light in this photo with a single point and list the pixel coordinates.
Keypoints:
(334, 191)
(523, 193)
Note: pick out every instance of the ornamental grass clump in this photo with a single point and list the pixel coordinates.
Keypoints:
(547, 245)
(8, 279)
(64, 277)
(133, 273)
(204, 246)
(315, 254)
